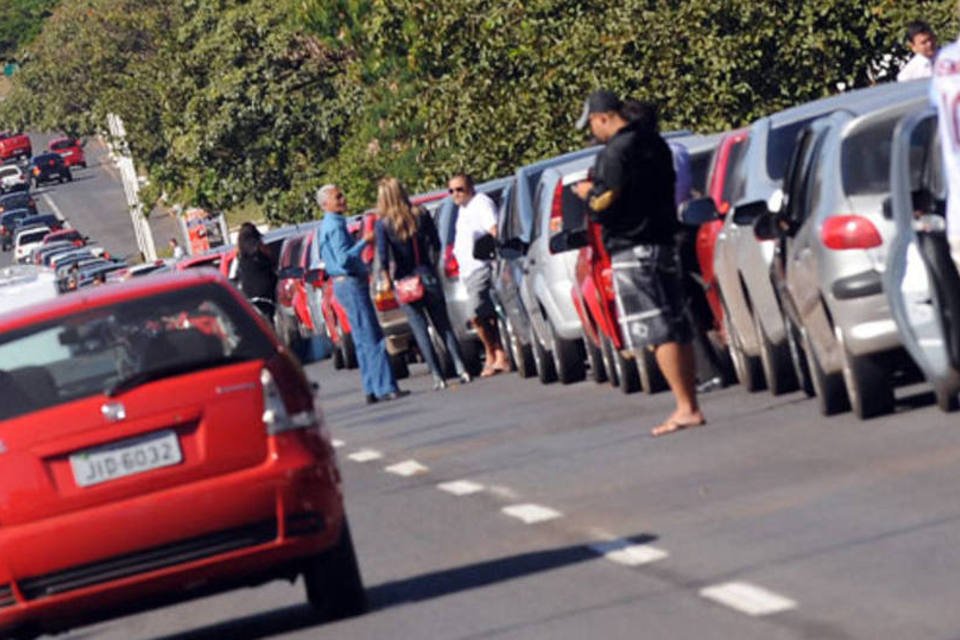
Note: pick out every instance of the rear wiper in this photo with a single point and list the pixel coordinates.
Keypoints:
(143, 377)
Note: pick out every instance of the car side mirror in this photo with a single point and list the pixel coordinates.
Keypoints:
(485, 247)
(290, 272)
(699, 211)
(568, 240)
(746, 214)
(765, 227)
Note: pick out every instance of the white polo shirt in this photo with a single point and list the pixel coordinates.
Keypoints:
(474, 219)
(918, 67)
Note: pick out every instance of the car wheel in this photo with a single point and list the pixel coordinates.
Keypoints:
(543, 359)
(598, 372)
(522, 354)
(567, 358)
(332, 580)
(349, 350)
(831, 394)
(69, 177)
(749, 368)
(505, 341)
(799, 357)
(337, 357)
(627, 373)
(398, 362)
(609, 362)
(651, 378)
(776, 362)
(868, 383)
(947, 400)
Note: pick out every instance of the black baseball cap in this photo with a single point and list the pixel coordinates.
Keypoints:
(600, 101)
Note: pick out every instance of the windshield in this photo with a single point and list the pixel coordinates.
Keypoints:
(780, 143)
(865, 159)
(101, 350)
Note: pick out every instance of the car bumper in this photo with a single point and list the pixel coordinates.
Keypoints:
(866, 323)
(172, 543)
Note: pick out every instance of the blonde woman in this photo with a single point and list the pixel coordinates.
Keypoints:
(407, 242)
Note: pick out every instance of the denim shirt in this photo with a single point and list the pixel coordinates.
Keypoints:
(340, 254)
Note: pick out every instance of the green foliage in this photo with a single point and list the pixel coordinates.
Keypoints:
(20, 22)
(253, 103)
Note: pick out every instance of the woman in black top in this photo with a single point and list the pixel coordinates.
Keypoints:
(407, 240)
(257, 269)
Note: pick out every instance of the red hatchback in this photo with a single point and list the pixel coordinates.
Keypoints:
(158, 443)
(70, 150)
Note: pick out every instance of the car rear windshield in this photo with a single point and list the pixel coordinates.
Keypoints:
(780, 143)
(112, 349)
(865, 159)
(62, 144)
(33, 236)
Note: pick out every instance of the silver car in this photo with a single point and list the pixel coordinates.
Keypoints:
(921, 281)
(837, 228)
(742, 262)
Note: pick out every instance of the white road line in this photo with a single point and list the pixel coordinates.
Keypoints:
(337, 443)
(504, 492)
(53, 205)
(407, 468)
(531, 513)
(748, 598)
(365, 455)
(627, 553)
(460, 487)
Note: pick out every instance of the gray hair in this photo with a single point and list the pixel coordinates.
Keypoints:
(323, 193)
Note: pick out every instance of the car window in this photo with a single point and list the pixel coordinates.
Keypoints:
(62, 144)
(733, 183)
(537, 211)
(93, 350)
(699, 167)
(32, 236)
(781, 141)
(865, 159)
(515, 229)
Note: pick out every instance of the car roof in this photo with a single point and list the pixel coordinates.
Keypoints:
(855, 99)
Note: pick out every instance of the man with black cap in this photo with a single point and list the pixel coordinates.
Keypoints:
(631, 195)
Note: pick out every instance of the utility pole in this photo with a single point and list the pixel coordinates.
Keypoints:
(131, 187)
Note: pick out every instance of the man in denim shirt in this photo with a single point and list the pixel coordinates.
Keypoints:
(341, 257)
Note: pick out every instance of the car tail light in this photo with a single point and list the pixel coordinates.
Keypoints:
(385, 300)
(850, 232)
(451, 268)
(36, 171)
(287, 401)
(606, 281)
(556, 209)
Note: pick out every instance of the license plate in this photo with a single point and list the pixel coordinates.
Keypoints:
(125, 458)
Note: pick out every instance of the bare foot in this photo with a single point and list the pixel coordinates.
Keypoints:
(678, 423)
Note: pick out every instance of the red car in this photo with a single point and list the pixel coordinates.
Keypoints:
(70, 150)
(69, 235)
(720, 187)
(15, 145)
(159, 443)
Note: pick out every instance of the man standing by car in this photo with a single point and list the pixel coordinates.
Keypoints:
(631, 195)
(341, 256)
(476, 217)
(923, 43)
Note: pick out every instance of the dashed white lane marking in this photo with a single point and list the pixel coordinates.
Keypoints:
(337, 443)
(748, 598)
(627, 553)
(531, 513)
(53, 205)
(365, 455)
(460, 487)
(407, 468)
(503, 492)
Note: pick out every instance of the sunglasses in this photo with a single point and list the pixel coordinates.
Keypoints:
(457, 189)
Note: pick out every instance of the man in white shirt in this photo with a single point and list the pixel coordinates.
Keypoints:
(923, 43)
(476, 217)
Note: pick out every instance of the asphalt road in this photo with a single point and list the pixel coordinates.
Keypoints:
(549, 512)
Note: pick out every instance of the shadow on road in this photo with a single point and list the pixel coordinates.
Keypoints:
(409, 590)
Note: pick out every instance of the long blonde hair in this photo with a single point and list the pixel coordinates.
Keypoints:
(394, 205)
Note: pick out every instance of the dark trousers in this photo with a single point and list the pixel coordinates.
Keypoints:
(433, 308)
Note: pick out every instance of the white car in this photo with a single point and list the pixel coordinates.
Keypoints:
(12, 178)
(23, 285)
(26, 239)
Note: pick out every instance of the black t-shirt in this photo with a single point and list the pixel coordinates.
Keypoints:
(258, 275)
(633, 191)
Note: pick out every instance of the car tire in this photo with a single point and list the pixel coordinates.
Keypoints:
(776, 362)
(868, 384)
(337, 357)
(470, 351)
(505, 341)
(567, 358)
(349, 351)
(598, 372)
(830, 390)
(749, 368)
(333, 582)
(628, 374)
(799, 357)
(521, 354)
(609, 362)
(398, 362)
(651, 378)
(947, 400)
(543, 359)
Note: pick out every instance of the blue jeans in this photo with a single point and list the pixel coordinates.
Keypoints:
(433, 306)
(376, 375)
